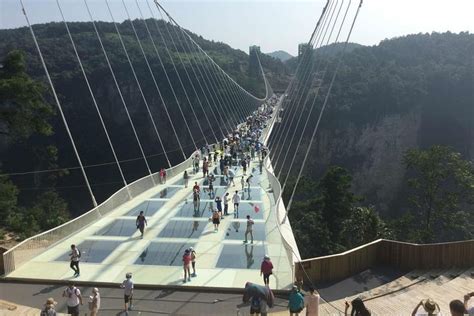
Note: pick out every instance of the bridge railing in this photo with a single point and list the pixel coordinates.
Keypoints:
(34, 245)
(382, 252)
(276, 190)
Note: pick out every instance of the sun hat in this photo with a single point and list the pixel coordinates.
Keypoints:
(51, 301)
(430, 305)
(95, 290)
(266, 257)
(191, 248)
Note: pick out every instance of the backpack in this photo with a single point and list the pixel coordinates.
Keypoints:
(79, 253)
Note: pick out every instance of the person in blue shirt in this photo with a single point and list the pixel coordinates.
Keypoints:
(295, 301)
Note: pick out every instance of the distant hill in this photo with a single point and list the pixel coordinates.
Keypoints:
(281, 55)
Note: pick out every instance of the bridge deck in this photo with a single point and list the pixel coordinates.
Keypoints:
(112, 246)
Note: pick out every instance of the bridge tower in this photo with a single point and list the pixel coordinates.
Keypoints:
(254, 67)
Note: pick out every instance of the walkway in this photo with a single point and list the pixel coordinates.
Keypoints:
(111, 246)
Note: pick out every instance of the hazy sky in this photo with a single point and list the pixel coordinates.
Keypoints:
(271, 24)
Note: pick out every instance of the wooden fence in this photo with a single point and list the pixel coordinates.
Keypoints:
(400, 255)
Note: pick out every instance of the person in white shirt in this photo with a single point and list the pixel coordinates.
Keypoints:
(127, 286)
(73, 299)
(75, 256)
(94, 302)
(226, 199)
(311, 302)
(236, 201)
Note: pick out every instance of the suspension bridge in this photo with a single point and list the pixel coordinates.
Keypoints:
(209, 107)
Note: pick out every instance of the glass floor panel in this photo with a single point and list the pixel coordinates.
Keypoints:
(168, 192)
(255, 194)
(205, 194)
(236, 231)
(203, 210)
(180, 181)
(183, 229)
(255, 210)
(119, 227)
(93, 251)
(163, 254)
(241, 256)
(149, 208)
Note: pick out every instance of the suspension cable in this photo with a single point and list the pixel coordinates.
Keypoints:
(185, 71)
(209, 92)
(282, 165)
(193, 59)
(293, 84)
(117, 85)
(213, 90)
(200, 48)
(182, 86)
(306, 79)
(157, 89)
(306, 100)
(92, 94)
(63, 117)
(322, 109)
(169, 81)
(137, 81)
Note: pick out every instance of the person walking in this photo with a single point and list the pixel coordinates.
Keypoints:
(242, 183)
(162, 176)
(196, 188)
(193, 261)
(295, 301)
(141, 222)
(249, 229)
(196, 200)
(236, 201)
(73, 299)
(196, 164)
(266, 269)
(186, 178)
(216, 220)
(311, 302)
(358, 308)
(186, 263)
(127, 286)
(231, 175)
(219, 206)
(75, 256)
(249, 181)
(221, 165)
(226, 203)
(94, 302)
(244, 166)
(205, 168)
(211, 187)
(49, 308)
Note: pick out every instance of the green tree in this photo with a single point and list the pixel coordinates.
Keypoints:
(363, 226)
(23, 110)
(336, 199)
(442, 193)
(8, 198)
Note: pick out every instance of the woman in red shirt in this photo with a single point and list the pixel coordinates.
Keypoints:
(266, 269)
(186, 265)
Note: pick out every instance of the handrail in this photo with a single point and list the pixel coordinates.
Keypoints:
(30, 247)
(383, 252)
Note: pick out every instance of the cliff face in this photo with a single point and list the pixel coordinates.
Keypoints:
(410, 92)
